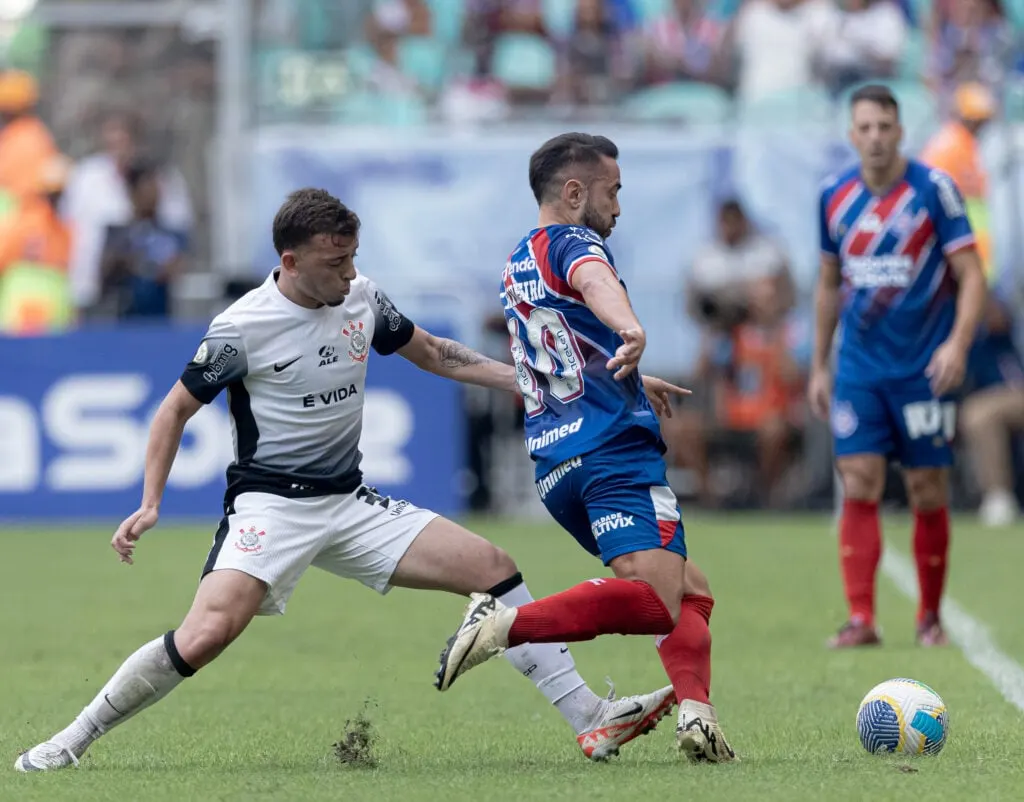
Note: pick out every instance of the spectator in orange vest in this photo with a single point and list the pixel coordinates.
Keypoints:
(35, 246)
(954, 150)
(26, 146)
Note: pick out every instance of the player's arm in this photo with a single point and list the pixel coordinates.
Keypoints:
(453, 360)
(220, 360)
(826, 318)
(596, 281)
(949, 362)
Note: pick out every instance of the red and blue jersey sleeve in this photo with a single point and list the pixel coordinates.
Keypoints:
(829, 245)
(949, 214)
(566, 249)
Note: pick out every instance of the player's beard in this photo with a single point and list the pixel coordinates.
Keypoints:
(591, 218)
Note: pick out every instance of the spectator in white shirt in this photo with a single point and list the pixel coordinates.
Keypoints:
(866, 42)
(97, 197)
(778, 43)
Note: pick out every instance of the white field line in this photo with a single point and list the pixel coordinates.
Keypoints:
(967, 632)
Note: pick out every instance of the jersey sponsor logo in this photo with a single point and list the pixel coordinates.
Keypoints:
(387, 310)
(327, 399)
(844, 419)
(607, 523)
(949, 196)
(585, 234)
(550, 436)
(524, 291)
(399, 508)
(598, 251)
(279, 366)
(889, 270)
(519, 266)
(871, 223)
(202, 353)
(547, 483)
(327, 355)
(249, 540)
(220, 362)
(934, 418)
(370, 495)
(358, 345)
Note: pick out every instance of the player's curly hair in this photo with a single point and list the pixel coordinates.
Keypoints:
(551, 159)
(309, 212)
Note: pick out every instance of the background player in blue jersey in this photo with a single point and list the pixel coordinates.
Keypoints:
(592, 431)
(900, 274)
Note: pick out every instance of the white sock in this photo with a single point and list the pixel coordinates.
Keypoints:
(147, 676)
(550, 667)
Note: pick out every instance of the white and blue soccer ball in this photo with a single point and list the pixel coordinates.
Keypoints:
(903, 716)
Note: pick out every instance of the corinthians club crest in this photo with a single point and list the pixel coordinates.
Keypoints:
(358, 345)
(249, 540)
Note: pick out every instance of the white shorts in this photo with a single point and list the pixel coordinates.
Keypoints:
(360, 536)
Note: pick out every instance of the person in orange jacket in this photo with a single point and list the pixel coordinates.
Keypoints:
(954, 149)
(35, 247)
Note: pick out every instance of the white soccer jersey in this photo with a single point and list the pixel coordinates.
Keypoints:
(296, 380)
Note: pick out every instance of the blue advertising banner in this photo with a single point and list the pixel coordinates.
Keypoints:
(75, 413)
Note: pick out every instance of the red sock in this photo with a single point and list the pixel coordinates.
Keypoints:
(860, 549)
(686, 651)
(931, 547)
(609, 606)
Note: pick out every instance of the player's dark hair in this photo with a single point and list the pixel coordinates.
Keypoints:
(554, 157)
(309, 212)
(731, 206)
(875, 93)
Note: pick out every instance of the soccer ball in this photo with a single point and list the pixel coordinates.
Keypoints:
(904, 716)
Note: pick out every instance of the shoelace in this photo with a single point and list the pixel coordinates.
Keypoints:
(54, 750)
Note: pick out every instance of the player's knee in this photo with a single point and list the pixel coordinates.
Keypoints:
(927, 489)
(500, 565)
(862, 482)
(695, 583)
(200, 642)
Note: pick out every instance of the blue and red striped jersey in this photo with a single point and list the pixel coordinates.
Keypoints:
(898, 292)
(573, 403)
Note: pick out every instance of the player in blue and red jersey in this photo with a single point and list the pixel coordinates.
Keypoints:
(900, 274)
(596, 441)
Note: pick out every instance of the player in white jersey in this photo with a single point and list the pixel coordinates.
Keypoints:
(292, 356)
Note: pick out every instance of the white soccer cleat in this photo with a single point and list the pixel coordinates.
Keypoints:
(46, 757)
(482, 635)
(698, 735)
(625, 719)
(998, 509)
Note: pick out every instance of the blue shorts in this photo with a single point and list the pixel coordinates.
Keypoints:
(897, 418)
(616, 500)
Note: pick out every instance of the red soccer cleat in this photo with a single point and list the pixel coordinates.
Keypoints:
(930, 632)
(853, 634)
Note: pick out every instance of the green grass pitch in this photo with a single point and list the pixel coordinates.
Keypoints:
(260, 722)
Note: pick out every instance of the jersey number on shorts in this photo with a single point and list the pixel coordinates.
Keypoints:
(556, 356)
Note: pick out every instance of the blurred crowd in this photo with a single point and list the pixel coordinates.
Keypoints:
(99, 238)
(482, 58)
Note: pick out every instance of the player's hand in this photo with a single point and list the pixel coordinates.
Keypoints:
(819, 392)
(131, 529)
(627, 356)
(946, 370)
(659, 393)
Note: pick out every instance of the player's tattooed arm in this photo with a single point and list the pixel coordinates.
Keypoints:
(453, 360)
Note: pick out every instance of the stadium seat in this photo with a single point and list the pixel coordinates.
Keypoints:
(915, 52)
(809, 104)
(423, 58)
(524, 61)
(690, 101)
(447, 16)
(371, 108)
(647, 10)
(559, 17)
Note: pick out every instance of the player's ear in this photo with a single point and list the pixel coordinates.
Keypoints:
(573, 193)
(288, 261)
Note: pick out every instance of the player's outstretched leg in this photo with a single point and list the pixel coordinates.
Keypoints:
(224, 605)
(860, 547)
(927, 489)
(446, 556)
(686, 655)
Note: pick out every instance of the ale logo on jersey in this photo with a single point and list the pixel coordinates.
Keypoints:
(358, 345)
(249, 540)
